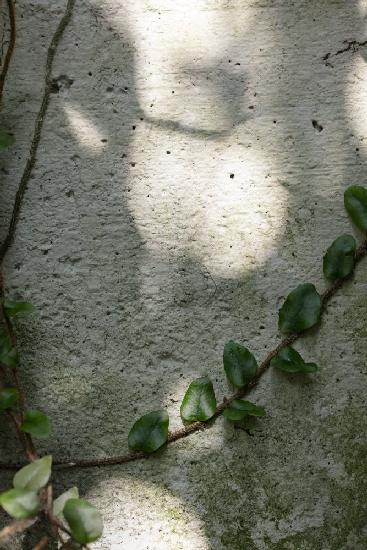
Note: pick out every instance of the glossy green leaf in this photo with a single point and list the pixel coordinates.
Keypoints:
(199, 402)
(339, 258)
(8, 398)
(36, 423)
(6, 140)
(239, 364)
(8, 353)
(239, 409)
(301, 309)
(84, 520)
(149, 432)
(289, 360)
(35, 475)
(13, 308)
(20, 503)
(59, 502)
(355, 202)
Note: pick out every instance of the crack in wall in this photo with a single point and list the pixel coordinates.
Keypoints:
(350, 46)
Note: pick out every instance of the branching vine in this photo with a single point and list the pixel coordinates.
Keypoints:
(72, 521)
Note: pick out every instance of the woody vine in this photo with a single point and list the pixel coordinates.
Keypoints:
(72, 521)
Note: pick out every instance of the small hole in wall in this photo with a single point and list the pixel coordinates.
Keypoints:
(134, 127)
(317, 126)
(90, 74)
(231, 176)
(168, 152)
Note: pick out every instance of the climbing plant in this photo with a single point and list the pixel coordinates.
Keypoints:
(73, 521)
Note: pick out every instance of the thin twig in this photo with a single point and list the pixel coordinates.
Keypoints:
(16, 527)
(41, 544)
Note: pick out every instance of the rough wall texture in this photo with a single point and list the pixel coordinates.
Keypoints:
(190, 173)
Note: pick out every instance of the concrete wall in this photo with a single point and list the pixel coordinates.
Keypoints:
(143, 256)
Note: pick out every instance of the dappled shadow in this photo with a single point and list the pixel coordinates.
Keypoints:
(137, 288)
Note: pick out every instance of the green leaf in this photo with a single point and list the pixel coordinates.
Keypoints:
(239, 409)
(199, 402)
(13, 308)
(339, 258)
(8, 398)
(59, 502)
(6, 140)
(355, 202)
(301, 309)
(8, 353)
(239, 364)
(84, 520)
(289, 360)
(34, 476)
(20, 503)
(36, 423)
(149, 432)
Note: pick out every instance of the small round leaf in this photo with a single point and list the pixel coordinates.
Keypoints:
(355, 202)
(239, 409)
(36, 423)
(339, 259)
(301, 309)
(149, 432)
(84, 520)
(8, 398)
(6, 140)
(59, 502)
(199, 402)
(12, 308)
(20, 503)
(34, 476)
(8, 353)
(289, 360)
(239, 364)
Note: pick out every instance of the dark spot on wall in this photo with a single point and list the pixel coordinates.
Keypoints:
(317, 126)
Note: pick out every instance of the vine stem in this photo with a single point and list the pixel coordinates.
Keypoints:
(38, 127)
(10, 49)
(185, 431)
(17, 418)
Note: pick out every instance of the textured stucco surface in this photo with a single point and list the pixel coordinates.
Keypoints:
(143, 256)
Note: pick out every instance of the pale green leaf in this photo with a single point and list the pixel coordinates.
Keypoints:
(20, 503)
(35, 475)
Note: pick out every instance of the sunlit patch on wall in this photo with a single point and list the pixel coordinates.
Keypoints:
(356, 94)
(84, 130)
(215, 203)
(168, 522)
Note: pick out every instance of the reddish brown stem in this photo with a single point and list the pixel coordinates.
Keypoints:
(197, 426)
(10, 50)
